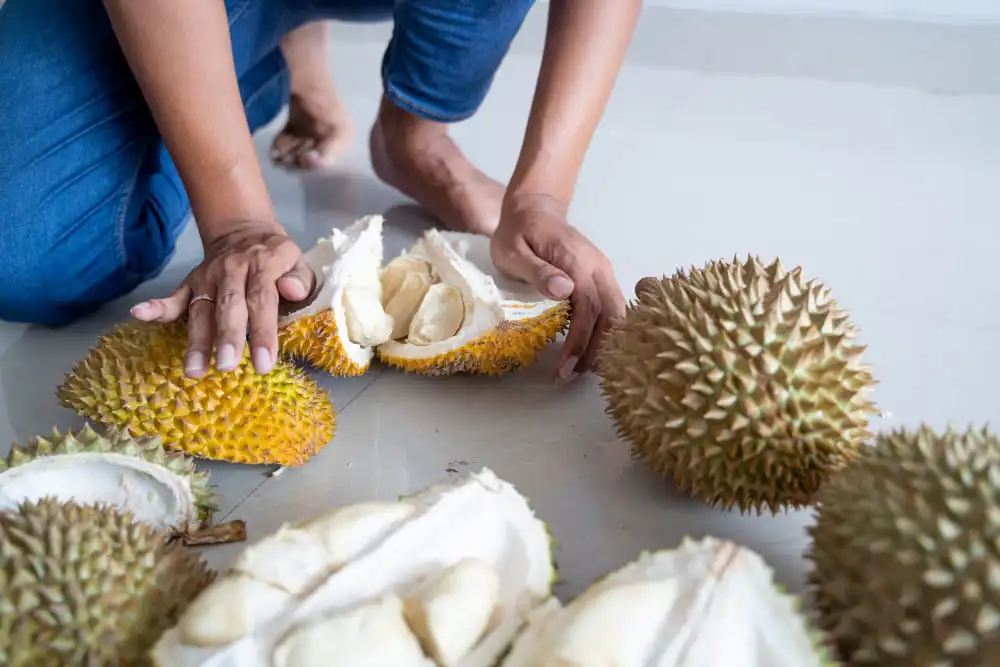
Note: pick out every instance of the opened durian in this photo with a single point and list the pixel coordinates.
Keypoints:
(134, 380)
(705, 604)
(439, 309)
(88, 585)
(906, 552)
(441, 578)
(133, 474)
(742, 383)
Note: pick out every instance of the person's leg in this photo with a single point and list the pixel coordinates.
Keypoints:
(319, 127)
(437, 70)
(92, 204)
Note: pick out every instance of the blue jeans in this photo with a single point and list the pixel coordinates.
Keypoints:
(91, 203)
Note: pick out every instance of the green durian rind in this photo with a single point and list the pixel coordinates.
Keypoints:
(88, 441)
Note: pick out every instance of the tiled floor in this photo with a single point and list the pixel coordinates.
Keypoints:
(890, 195)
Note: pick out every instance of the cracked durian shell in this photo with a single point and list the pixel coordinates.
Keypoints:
(318, 333)
(708, 602)
(506, 323)
(134, 380)
(88, 585)
(134, 474)
(452, 571)
(743, 383)
(905, 551)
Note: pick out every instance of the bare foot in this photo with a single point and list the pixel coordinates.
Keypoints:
(319, 129)
(419, 159)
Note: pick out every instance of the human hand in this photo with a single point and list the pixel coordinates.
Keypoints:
(243, 275)
(534, 243)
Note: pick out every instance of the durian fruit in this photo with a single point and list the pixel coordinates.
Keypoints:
(134, 380)
(88, 585)
(133, 474)
(905, 551)
(441, 308)
(442, 578)
(706, 603)
(743, 383)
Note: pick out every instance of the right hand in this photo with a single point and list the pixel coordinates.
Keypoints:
(244, 274)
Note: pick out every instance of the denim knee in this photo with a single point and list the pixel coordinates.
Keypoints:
(444, 54)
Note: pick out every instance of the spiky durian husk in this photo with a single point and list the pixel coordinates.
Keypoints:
(87, 585)
(89, 441)
(508, 347)
(742, 383)
(906, 552)
(314, 339)
(134, 380)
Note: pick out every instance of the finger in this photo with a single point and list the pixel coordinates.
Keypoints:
(521, 262)
(262, 305)
(164, 310)
(231, 316)
(298, 283)
(612, 307)
(201, 330)
(586, 302)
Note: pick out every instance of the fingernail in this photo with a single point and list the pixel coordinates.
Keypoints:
(559, 286)
(139, 307)
(225, 357)
(262, 360)
(194, 362)
(566, 371)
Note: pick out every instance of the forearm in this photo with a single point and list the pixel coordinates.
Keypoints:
(585, 46)
(180, 54)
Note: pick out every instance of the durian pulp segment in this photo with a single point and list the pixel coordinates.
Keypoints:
(469, 318)
(704, 604)
(421, 556)
(345, 318)
(134, 474)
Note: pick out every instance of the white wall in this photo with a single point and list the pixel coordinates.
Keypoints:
(961, 11)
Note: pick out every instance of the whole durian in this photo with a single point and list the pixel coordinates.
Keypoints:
(134, 380)
(88, 585)
(743, 383)
(906, 552)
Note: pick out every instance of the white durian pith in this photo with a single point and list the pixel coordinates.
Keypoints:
(706, 603)
(138, 475)
(455, 569)
(439, 308)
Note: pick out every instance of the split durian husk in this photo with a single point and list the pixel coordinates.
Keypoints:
(708, 602)
(142, 469)
(88, 585)
(378, 583)
(134, 380)
(440, 308)
(906, 551)
(741, 382)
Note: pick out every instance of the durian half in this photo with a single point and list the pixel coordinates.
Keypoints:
(134, 380)
(440, 308)
(705, 604)
(443, 577)
(743, 383)
(88, 585)
(133, 474)
(906, 551)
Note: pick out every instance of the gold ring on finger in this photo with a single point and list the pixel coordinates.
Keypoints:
(201, 297)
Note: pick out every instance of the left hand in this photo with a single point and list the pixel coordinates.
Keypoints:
(534, 243)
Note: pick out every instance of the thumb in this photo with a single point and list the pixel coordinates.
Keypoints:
(298, 283)
(521, 262)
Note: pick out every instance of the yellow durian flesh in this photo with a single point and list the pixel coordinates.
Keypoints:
(404, 303)
(471, 319)
(336, 330)
(133, 380)
(457, 570)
